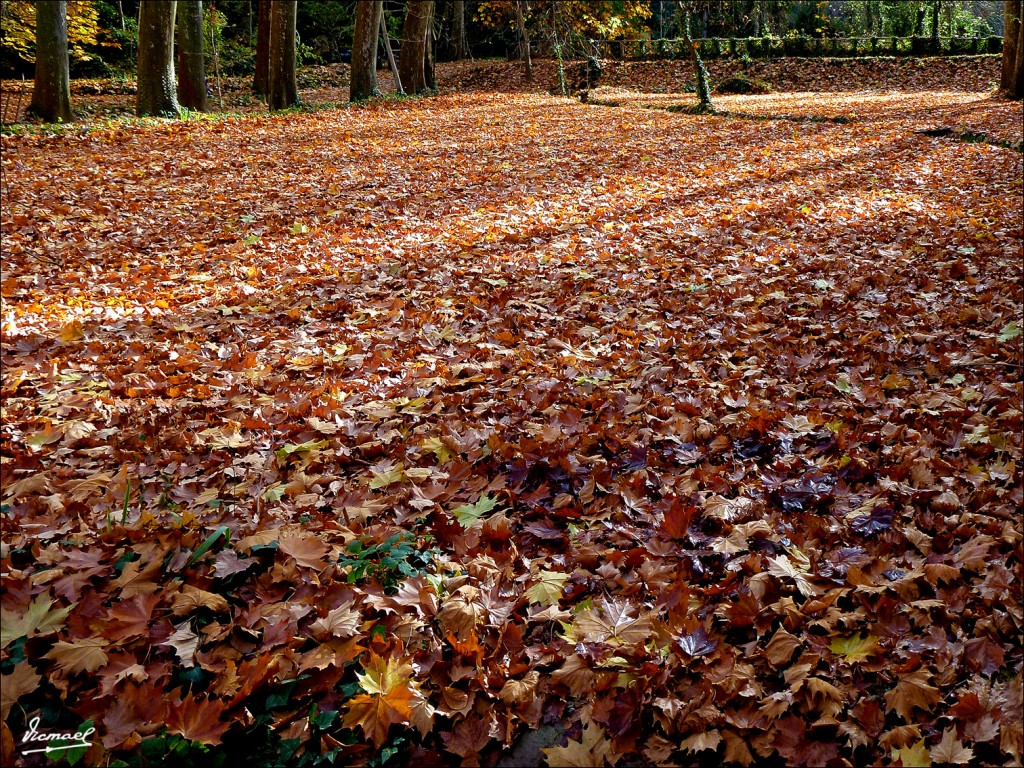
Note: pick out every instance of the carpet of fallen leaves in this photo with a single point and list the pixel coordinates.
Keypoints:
(511, 430)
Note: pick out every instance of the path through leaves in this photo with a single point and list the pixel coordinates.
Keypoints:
(405, 430)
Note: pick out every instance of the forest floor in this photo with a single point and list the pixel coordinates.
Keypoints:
(507, 429)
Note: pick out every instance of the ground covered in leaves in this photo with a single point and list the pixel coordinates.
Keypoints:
(507, 428)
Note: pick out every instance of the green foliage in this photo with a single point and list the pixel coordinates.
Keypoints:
(173, 749)
(388, 562)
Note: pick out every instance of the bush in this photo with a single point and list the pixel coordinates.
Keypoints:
(743, 84)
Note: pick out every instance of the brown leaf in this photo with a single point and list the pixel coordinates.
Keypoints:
(912, 692)
(83, 655)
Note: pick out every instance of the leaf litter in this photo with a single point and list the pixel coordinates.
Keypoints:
(691, 436)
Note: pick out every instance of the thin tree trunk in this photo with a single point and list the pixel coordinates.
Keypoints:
(429, 44)
(412, 57)
(261, 75)
(700, 71)
(191, 58)
(524, 40)
(363, 78)
(1011, 34)
(936, 7)
(460, 43)
(391, 56)
(1018, 77)
(157, 90)
(284, 89)
(51, 96)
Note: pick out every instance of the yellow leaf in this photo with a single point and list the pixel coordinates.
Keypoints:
(38, 619)
(913, 757)
(548, 588)
(855, 647)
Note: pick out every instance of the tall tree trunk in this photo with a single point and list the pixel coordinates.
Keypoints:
(157, 90)
(1011, 34)
(429, 46)
(412, 57)
(524, 40)
(261, 76)
(391, 56)
(700, 71)
(191, 60)
(51, 96)
(1018, 71)
(363, 79)
(284, 89)
(460, 43)
(936, 7)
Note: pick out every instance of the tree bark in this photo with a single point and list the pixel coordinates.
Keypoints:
(1011, 36)
(51, 96)
(191, 60)
(363, 80)
(391, 56)
(157, 89)
(936, 6)
(413, 55)
(429, 46)
(700, 71)
(1017, 91)
(524, 40)
(284, 89)
(460, 43)
(261, 76)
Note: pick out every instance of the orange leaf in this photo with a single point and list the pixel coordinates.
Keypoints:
(197, 719)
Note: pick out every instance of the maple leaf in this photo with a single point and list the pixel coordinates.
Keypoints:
(591, 750)
(699, 742)
(912, 692)
(23, 680)
(950, 751)
(387, 701)
(185, 642)
(548, 589)
(780, 648)
(84, 655)
(854, 647)
(39, 619)
(191, 599)
(305, 548)
(782, 567)
(613, 624)
(915, 756)
(197, 719)
(469, 514)
(342, 621)
(520, 691)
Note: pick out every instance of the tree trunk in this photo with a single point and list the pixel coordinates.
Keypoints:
(429, 44)
(460, 43)
(412, 57)
(363, 78)
(51, 96)
(936, 7)
(284, 89)
(700, 71)
(1011, 35)
(391, 56)
(261, 76)
(157, 90)
(1017, 91)
(191, 61)
(524, 40)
